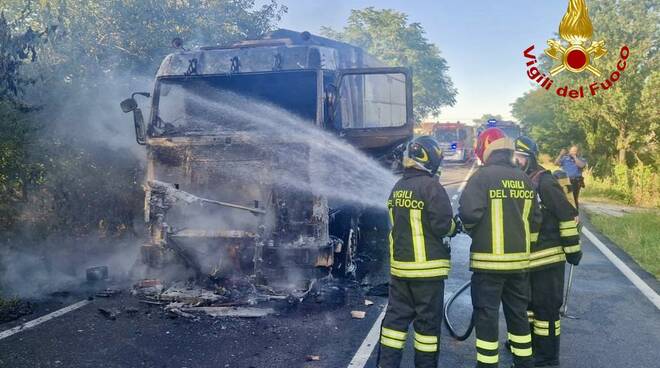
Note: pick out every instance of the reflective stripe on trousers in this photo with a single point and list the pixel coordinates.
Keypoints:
(543, 328)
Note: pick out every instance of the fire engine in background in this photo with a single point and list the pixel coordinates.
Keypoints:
(511, 129)
(456, 140)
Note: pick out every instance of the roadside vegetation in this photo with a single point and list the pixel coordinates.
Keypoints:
(636, 233)
(388, 35)
(13, 308)
(69, 166)
(70, 171)
(638, 186)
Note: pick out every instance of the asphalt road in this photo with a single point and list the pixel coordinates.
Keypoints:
(617, 326)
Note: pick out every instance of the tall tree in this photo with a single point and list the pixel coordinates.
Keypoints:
(542, 115)
(16, 130)
(620, 123)
(387, 34)
(99, 38)
(86, 176)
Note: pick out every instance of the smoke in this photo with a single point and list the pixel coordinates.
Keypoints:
(58, 265)
(336, 169)
(85, 202)
(86, 209)
(90, 116)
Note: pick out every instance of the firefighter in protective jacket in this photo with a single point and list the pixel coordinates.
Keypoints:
(500, 212)
(558, 242)
(421, 217)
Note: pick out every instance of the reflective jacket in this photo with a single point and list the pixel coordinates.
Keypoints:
(500, 212)
(558, 236)
(420, 216)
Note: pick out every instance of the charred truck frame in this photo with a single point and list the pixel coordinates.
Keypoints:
(210, 200)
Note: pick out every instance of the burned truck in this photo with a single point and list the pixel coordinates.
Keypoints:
(212, 199)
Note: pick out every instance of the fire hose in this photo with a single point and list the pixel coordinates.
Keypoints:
(468, 332)
(445, 315)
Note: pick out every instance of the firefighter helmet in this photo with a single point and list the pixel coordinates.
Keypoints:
(490, 140)
(423, 153)
(527, 147)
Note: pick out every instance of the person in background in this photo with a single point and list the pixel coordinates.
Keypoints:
(573, 164)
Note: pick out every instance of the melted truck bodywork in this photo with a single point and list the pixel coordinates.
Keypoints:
(212, 201)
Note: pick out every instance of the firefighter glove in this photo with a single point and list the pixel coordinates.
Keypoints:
(459, 226)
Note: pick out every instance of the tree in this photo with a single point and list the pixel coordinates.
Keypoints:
(99, 38)
(16, 130)
(77, 179)
(621, 123)
(620, 108)
(541, 113)
(386, 34)
(15, 51)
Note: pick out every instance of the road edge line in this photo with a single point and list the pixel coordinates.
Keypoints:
(35, 322)
(363, 353)
(464, 183)
(637, 281)
(467, 177)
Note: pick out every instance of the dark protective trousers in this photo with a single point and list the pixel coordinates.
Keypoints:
(513, 291)
(576, 184)
(419, 302)
(547, 289)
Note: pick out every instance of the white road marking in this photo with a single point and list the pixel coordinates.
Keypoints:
(464, 183)
(42, 319)
(625, 270)
(364, 351)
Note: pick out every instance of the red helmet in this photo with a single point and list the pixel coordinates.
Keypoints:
(485, 143)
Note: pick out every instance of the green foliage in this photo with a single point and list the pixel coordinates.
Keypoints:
(386, 34)
(15, 50)
(638, 186)
(16, 129)
(13, 308)
(620, 124)
(637, 234)
(541, 114)
(16, 170)
(58, 173)
(99, 38)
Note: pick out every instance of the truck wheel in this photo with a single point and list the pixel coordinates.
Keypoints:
(349, 250)
(344, 263)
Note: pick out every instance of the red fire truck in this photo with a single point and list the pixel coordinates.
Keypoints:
(456, 140)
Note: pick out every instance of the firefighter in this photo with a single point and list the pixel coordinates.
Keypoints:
(421, 217)
(500, 212)
(558, 242)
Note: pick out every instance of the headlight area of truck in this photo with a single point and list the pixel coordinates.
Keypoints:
(454, 154)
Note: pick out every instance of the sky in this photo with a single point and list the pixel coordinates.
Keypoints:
(482, 40)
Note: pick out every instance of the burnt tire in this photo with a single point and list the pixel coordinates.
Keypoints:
(345, 227)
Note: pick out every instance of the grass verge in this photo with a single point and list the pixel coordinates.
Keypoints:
(11, 309)
(637, 233)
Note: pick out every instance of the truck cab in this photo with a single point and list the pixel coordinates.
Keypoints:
(212, 200)
(456, 140)
(510, 128)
